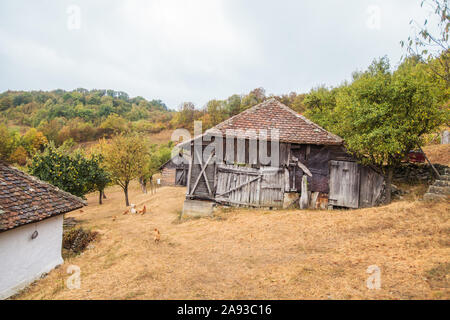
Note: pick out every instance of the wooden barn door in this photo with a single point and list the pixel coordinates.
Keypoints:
(344, 184)
(201, 175)
(180, 177)
(250, 187)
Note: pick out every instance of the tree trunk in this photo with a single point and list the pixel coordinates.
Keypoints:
(125, 191)
(143, 183)
(100, 196)
(389, 183)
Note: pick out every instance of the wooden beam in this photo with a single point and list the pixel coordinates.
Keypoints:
(189, 174)
(304, 168)
(434, 169)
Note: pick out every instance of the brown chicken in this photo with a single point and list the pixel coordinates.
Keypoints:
(114, 218)
(143, 210)
(157, 236)
(126, 212)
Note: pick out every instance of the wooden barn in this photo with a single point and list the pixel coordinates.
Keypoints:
(313, 167)
(174, 172)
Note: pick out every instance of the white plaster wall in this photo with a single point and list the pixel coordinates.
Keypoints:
(23, 260)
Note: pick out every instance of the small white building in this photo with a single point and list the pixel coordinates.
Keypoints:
(31, 228)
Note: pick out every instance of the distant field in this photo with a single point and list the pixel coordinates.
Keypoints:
(156, 138)
(257, 254)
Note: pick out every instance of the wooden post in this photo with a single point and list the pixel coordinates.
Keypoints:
(434, 169)
(304, 201)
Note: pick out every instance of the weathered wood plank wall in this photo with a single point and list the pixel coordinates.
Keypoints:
(344, 184)
(370, 187)
(351, 186)
(237, 185)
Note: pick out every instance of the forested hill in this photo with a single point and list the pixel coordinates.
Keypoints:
(82, 114)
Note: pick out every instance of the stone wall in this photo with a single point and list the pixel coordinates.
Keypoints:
(416, 173)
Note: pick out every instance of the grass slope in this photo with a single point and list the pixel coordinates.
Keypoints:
(256, 254)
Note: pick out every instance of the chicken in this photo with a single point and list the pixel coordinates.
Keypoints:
(126, 212)
(157, 236)
(133, 208)
(143, 210)
(81, 211)
(114, 218)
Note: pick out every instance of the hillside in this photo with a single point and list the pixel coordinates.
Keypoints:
(82, 115)
(276, 254)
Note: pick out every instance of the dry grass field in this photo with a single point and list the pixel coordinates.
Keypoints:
(438, 153)
(256, 254)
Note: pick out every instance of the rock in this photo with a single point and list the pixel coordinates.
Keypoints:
(442, 183)
(439, 190)
(396, 191)
(445, 137)
(434, 197)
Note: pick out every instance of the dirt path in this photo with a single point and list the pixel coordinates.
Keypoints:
(256, 254)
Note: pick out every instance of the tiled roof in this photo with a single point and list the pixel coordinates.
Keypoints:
(25, 199)
(272, 114)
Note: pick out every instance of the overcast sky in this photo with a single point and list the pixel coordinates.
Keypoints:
(196, 50)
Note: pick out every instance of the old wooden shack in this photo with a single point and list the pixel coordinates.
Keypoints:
(309, 160)
(174, 172)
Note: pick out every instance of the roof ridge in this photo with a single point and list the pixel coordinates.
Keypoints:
(245, 111)
(272, 113)
(307, 120)
(285, 107)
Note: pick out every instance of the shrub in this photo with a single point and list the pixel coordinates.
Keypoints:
(19, 156)
(76, 240)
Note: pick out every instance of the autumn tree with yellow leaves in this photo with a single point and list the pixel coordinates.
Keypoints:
(125, 157)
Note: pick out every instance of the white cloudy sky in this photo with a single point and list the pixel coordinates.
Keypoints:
(196, 50)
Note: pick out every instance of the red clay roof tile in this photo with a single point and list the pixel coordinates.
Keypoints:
(25, 199)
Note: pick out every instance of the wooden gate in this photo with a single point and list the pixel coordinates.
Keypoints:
(250, 187)
(344, 184)
(201, 175)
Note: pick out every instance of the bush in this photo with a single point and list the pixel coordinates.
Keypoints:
(77, 239)
(19, 156)
(73, 173)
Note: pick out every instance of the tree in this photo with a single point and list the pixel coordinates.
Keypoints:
(69, 173)
(6, 143)
(33, 140)
(124, 157)
(233, 105)
(114, 124)
(98, 176)
(382, 115)
(186, 116)
(430, 41)
(19, 156)
(320, 104)
(158, 155)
